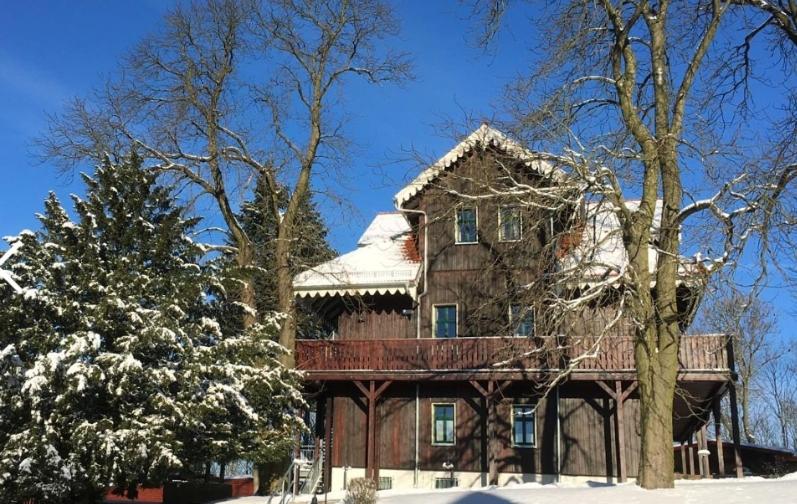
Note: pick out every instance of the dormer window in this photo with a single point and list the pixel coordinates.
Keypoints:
(466, 225)
(509, 224)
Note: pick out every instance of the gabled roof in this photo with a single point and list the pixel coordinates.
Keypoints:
(483, 136)
(381, 264)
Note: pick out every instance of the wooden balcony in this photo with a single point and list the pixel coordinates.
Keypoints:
(701, 357)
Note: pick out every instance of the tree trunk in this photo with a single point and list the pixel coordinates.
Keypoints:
(285, 299)
(656, 393)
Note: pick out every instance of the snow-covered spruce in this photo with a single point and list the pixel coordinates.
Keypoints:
(114, 366)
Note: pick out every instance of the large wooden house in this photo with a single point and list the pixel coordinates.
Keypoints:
(429, 374)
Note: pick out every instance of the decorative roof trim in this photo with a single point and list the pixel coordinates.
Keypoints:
(484, 135)
(356, 291)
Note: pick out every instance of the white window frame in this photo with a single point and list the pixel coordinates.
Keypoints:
(457, 239)
(501, 238)
(533, 424)
(454, 442)
(434, 319)
(513, 326)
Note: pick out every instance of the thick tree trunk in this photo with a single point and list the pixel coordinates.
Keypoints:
(285, 299)
(656, 393)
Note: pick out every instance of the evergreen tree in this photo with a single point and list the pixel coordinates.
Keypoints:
(309, 248)
(113, 366)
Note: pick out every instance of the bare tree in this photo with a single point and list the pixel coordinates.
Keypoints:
(231, 91)
(751, 323)
(629, 99)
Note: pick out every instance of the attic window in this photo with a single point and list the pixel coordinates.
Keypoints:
(509, 224)
(466, 225)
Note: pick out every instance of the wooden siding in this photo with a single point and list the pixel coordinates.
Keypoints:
(480, 278)
(587, 430)
(589, 436)
(375, 317)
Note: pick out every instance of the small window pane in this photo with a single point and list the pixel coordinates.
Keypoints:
(522, 320)
(443, 424)
(445, 321)
(522, 425)
(466, 225)
(509, 228)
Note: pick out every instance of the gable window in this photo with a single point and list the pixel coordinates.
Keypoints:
(445, 321)
(522, 425)
(521, 319)
(466, 225)
(443, 424)
(509, 224)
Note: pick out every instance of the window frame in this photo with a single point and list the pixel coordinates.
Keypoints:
(502, 238)
(533, 443)
(514, 325)
(457, 237)
(453, 420)
(456, 320)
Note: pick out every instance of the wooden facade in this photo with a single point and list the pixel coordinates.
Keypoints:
(382, 370)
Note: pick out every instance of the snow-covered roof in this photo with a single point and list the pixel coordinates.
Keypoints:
(600, 253)
(484, 136)
(383, 263)
(386, 225)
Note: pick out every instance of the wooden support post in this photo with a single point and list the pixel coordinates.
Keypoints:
(691, 454)
(372, 394)
(737, 442)
(718, 437)
(706, 461)
(491, 448)
(370, 469)
(490, 395)
(620, 425)
(683, 458)
(328, 444)
(700, 445)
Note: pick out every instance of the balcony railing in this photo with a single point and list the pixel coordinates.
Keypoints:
(615, 353)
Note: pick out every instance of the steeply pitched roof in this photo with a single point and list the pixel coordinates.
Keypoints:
(381, 264)
(483, 136)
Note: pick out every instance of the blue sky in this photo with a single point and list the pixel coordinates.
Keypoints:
(51, 51)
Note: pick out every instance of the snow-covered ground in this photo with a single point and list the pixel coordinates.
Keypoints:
(728, 491)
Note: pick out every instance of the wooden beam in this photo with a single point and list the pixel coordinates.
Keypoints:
(491, 444)
(737, 442)
(362, 388)
(371, 448)
(683, 458)
(620, 425)
(328, 444)
(607, 389)
(691, 454)
(630, 390)
(706, 462)
(700, 444)
(382, 389)
(718, 436)
(479, 388)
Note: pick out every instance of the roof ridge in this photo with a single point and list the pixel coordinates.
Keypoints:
(484, 135)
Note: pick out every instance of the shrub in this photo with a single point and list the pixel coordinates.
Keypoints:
(361, 491)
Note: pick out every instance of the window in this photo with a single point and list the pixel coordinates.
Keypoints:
(466, 225)
(521, 318)
(445, 321)
(522, 425)
(443, 424)
(446, 483)
(509, 228)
